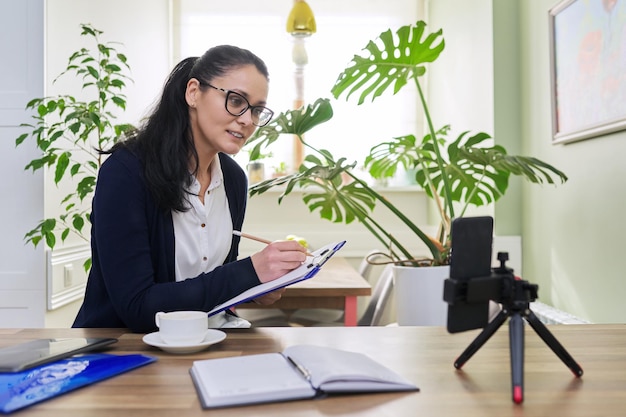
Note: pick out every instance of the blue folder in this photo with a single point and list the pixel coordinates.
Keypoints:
(25, 388)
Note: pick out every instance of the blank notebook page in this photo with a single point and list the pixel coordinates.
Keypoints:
(262, 377)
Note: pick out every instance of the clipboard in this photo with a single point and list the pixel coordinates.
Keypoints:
(307, 270)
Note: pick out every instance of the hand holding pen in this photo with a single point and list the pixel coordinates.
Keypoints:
(277, 258)
(258, 239)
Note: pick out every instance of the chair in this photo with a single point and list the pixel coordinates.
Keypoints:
(374, 310)
(380, 295)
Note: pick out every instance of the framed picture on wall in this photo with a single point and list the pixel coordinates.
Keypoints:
(588, 68)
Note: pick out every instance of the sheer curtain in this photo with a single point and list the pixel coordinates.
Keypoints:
(343, 29)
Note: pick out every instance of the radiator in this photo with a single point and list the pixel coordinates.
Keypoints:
(550, 315)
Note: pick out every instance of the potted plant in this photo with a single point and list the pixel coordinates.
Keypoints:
(69, 132)
(456, 173)
(469, 172)
(256, 166)
(279, 170)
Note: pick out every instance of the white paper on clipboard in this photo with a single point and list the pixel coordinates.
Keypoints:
(306, 271)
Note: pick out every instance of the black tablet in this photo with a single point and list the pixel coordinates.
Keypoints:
(37, 352)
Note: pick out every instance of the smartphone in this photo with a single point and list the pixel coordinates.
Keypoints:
(470, 258)
(40, 351)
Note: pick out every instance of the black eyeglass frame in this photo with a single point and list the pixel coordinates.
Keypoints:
(261, 109)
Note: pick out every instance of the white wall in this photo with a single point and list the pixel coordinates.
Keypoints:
(142, 28)
(460, 82)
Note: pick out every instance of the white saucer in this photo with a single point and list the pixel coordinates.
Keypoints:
(212, 337)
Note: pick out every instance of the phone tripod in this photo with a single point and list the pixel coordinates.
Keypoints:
(516, 297)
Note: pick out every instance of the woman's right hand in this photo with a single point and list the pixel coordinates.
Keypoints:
(277, 259)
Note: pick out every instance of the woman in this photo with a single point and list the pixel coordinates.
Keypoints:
(168, 199)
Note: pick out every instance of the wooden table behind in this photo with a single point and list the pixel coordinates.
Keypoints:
(337, 286)
(422, 354)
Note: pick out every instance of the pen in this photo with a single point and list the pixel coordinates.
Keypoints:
(247, 236)
(305, 372)
(258, 239)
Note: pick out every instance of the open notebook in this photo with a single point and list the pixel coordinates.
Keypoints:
(298, 372)
(307, 270)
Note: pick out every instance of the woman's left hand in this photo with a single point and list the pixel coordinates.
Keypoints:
(270, 297)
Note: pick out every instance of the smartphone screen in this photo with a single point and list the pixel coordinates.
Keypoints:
(470, 258)
(37, 352)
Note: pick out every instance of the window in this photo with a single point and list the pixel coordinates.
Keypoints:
(343, 28)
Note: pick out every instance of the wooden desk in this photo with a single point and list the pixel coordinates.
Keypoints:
(424, 355)
(337, 285)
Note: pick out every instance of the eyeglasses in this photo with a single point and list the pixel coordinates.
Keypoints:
(236, 105)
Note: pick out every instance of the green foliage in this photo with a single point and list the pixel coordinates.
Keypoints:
(69, 132)
(321, 176)
(401, 59)
(471, 171)
(290, 122)
(479, 173)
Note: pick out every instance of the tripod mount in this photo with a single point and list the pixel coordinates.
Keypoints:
(515, 295)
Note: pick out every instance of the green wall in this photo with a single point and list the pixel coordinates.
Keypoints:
(572, 234)
(507, 107)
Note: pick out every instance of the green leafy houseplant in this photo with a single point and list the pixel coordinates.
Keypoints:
(466, 171)
(69, 133)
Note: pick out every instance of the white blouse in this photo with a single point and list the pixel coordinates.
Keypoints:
(204, 233)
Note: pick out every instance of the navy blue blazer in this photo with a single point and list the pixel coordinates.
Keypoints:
(132, 247)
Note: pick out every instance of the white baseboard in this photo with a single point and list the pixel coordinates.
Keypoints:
(66, 277)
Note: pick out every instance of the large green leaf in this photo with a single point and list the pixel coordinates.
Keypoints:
(385, 158)
(400, 59)
(480, 173)
(313, 171)
(294, 122)
(323, 189)
(342, 204)
(62, 164)
(473, 180)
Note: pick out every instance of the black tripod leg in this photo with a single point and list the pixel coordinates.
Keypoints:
(554, 344)
(516, 346)
(480, 340)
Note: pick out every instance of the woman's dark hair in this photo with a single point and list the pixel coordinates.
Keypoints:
(164, 141)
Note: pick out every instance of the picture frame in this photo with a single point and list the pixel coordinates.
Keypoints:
(587, 63)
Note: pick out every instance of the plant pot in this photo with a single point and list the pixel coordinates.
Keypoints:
(419, 295)
(256, 172)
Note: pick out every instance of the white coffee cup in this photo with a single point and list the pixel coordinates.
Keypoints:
(182, 327)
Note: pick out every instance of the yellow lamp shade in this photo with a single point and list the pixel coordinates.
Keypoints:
(301, 20)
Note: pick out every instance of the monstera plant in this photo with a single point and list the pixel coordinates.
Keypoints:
(455, 173)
